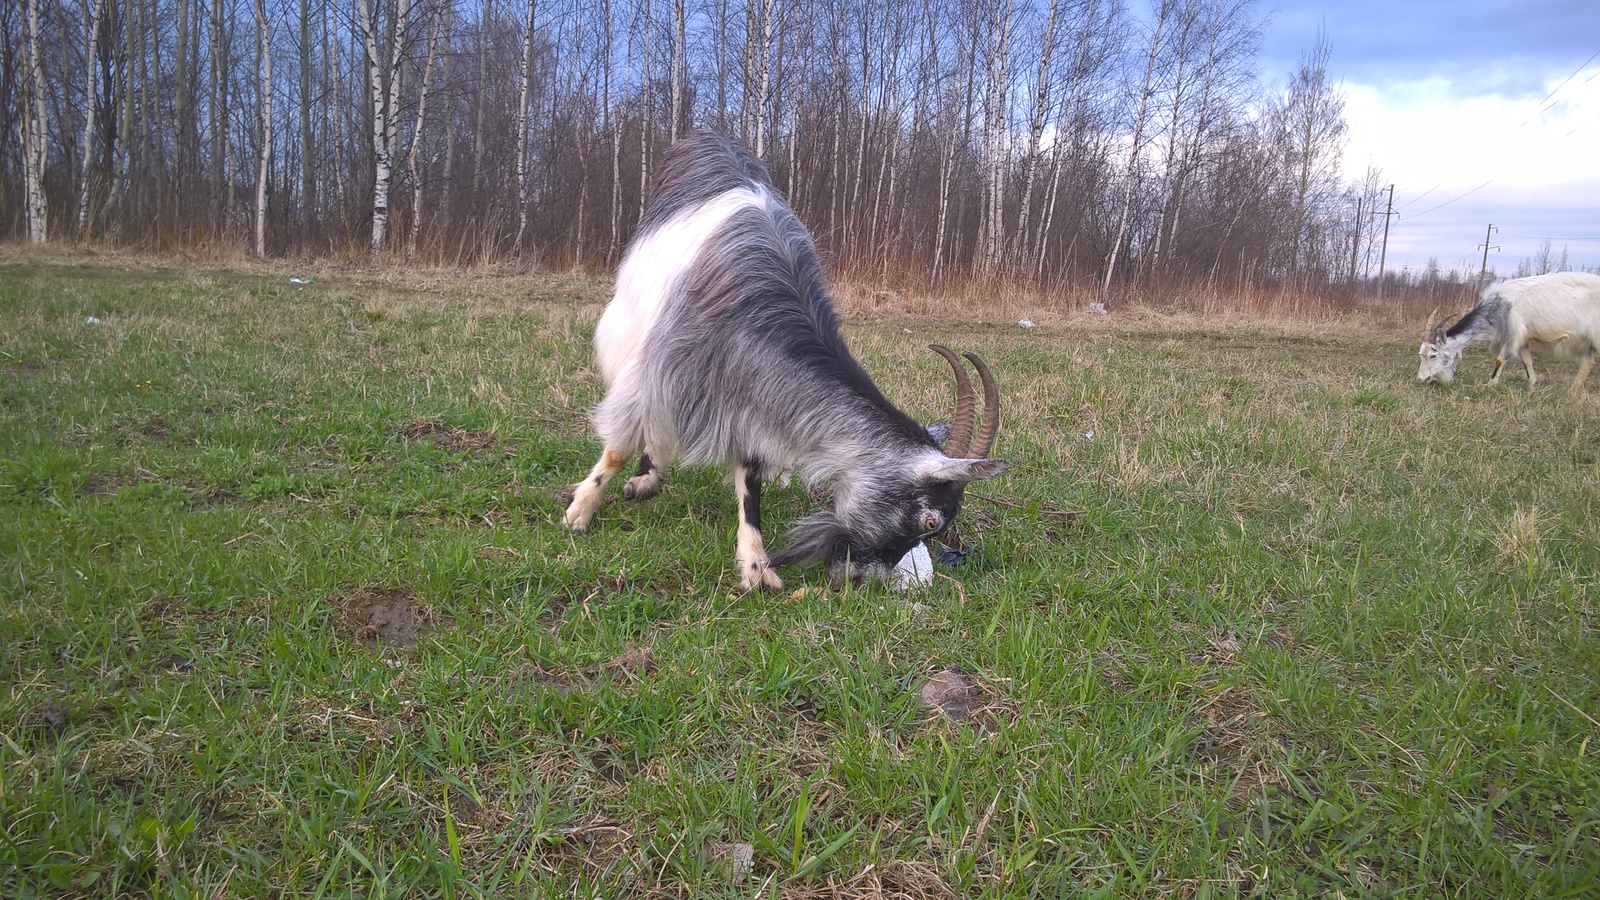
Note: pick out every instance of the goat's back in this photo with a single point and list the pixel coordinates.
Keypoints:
(696, 169)
(1555, 308)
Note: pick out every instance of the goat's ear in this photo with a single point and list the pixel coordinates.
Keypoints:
(940, 432)
(962, 470)
(815, 538)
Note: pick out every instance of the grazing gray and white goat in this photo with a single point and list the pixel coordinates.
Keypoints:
(1560, 311)
(721, 347)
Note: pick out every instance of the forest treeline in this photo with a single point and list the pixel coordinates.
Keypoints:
(926, 140)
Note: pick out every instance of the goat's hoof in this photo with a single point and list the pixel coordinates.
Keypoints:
(641, 487)
(760, 576)
(577, 522)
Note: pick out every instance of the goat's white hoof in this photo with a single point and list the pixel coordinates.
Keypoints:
(577, 519)
(642, 487)
(759, 575)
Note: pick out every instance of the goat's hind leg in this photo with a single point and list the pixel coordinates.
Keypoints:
(1584, 366)
(1527, 366)
(646, 482)
(755, 569)
(587, 494)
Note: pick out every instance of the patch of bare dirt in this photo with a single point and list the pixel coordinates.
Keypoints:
(740, 856)
(1237, 736)
(445, 436)
(98, 485)
(959, 697)
(48, 719)
(1113, 672)
(899, 880)
(635, 665)
(155, 427)
(380, 615)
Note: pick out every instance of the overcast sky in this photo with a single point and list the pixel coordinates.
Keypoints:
(1478, 111)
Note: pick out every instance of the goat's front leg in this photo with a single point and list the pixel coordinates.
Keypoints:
(586, 494)
(1499, 365)
(755, 570)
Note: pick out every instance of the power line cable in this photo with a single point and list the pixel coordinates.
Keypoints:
(1421, 195)
(1448, 202)
(1559, 87)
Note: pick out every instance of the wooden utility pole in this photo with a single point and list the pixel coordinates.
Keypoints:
(1355, 245)
(1383, 255)
(1483, 273)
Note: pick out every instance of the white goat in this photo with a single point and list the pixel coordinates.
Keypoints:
(1559, 312)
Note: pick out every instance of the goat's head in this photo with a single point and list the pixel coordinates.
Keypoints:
(1437, 360)
(912, 493)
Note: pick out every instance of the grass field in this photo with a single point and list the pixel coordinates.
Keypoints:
(285, 609)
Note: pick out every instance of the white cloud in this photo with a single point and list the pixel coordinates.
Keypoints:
(1436, 146)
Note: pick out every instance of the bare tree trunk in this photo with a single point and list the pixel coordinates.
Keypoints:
(221, 112)
(34, 128)
(440, 14)
(614, 128)
(644, 118)
(522, 124)
(264, 91)
(308, 184)
(385, 113)
(483, 88)
(994, 134)
(1137, 144)
(92, 105)
(337, 113)
(763, 79)
(680, 51)
(1041, 109)
(447, 182)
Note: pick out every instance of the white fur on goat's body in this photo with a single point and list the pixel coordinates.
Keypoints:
(1558, 312)
(646, 276)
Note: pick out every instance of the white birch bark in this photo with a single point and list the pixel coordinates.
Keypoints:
(385, 113)
(92, 104)
(679, 67)
(1137, 145)
(264, 156)
(34, 129)
(1041, 110)
(522, 124)
(763, 79)
(440, 14)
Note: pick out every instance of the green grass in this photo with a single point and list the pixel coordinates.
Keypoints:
(1287, 624)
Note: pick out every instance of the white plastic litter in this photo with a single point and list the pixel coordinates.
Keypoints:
(915, 569)
(94, 320)
(1088, 435)
(301, 281)
(1025, 323)
(1097, 308)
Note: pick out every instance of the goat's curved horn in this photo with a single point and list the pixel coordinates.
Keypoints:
(966, 415)
(1433, 319)
(991, 405)
(1436, 334)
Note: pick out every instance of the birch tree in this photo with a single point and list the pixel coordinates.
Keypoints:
(441, 15)
(264, 154)
(383, 84)
(1136, 144)
(35, 129)
(522, 123)
(91, 106)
